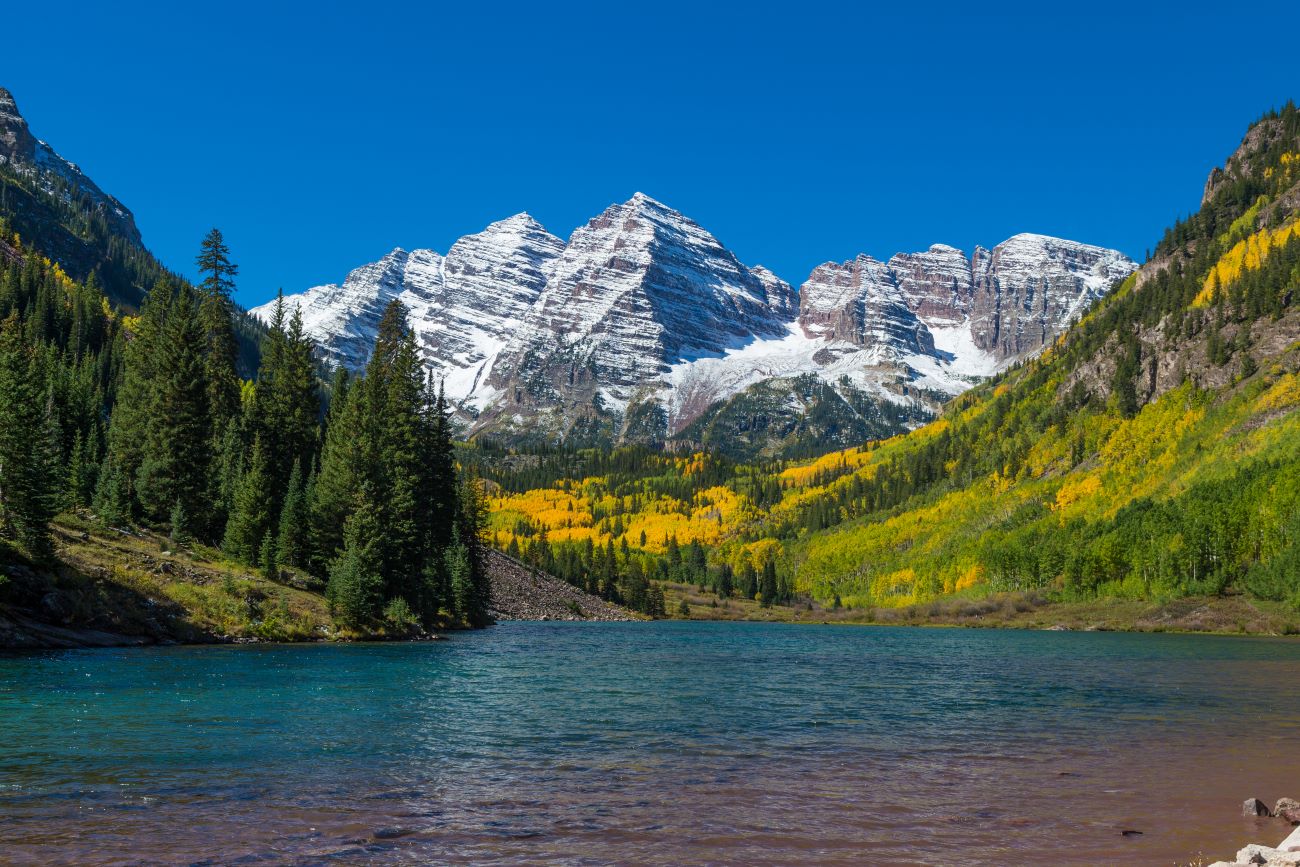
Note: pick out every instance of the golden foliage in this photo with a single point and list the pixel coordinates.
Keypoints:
(1246, 255)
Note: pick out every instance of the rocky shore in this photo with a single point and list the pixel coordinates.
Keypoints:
(521, 593)
(1284, 854)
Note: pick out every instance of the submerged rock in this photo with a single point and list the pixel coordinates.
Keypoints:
(1289, 809)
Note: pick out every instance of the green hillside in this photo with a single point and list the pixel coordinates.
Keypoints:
(1151, 454)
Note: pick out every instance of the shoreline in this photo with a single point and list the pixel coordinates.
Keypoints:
(77, 638)
(1284, 854)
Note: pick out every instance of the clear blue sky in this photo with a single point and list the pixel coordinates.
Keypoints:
(320, 136)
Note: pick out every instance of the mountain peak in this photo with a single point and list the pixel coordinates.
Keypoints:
(641, 202)
(16, 143)
(28, 155)
(520, 222)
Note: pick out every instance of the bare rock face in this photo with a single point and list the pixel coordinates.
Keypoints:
(1011, 301)
(26, 154)
(937, 283)
(17, 144)
(636, 289)
(463, 307)
(1030, 287)
(643, 322)
(864, 302)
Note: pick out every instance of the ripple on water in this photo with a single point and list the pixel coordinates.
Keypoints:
(648, 743)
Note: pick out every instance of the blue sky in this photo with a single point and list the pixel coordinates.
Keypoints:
(320, 136)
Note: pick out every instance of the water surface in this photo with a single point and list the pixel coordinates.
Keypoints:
(651, 743)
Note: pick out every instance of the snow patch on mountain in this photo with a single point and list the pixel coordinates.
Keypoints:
(641, 303)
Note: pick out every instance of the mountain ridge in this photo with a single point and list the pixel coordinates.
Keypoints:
(643, 322)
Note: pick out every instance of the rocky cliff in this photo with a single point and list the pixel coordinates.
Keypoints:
(643, 326)
(25, 154)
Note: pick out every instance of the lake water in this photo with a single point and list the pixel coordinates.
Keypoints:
(651, 743)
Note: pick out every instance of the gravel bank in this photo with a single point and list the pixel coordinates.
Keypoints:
(520, 593)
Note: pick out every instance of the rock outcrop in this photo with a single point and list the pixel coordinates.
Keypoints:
(24, 153)
(643, 323)
(463, 307)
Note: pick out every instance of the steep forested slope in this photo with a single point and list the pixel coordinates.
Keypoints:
(1152, 452)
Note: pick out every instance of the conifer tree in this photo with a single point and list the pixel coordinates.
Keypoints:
(286, 403)
(27, 496)
(471, 519)
(128, 433)
(180, 524)
(178, 444)
(334, 493)
(251, 519)
(268, 557)
(291, 540)
(355, 589)
(216, 289)
(393, 406)
(769, 588)
(461, 578)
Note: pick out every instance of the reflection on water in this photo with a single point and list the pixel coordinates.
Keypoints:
(662, 743)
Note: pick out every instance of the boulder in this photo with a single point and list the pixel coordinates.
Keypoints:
(1268, 856)
(1255, 807)
(1289, 809)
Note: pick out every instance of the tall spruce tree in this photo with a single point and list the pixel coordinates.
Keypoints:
(128, 433)
(356, 586)
(251, 519)
(28, 493)
(178, 426)
(334, 492)
(393, 391)
(291, 538)
(223, 384)
(287, 404)
(216, 288)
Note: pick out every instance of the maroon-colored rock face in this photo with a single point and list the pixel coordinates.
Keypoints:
(1013, 300)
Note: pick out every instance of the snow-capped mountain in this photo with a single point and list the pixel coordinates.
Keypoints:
(463, 306)
(636, 290)
(643, 326)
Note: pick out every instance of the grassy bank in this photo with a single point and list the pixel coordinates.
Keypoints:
(136, 583)
(1229, 615)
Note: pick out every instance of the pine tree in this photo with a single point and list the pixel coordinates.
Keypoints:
(128, 433)
(334, 494)
(471, 521)
(294, 517)
(175, 464)
(393, 404)
(769, 587)
(217, 287)
(286, 405)
(251, 519)
(28, 499)
(180, 524)
(356, 587)
(112, 503)
(268, 558)
(460, 575)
